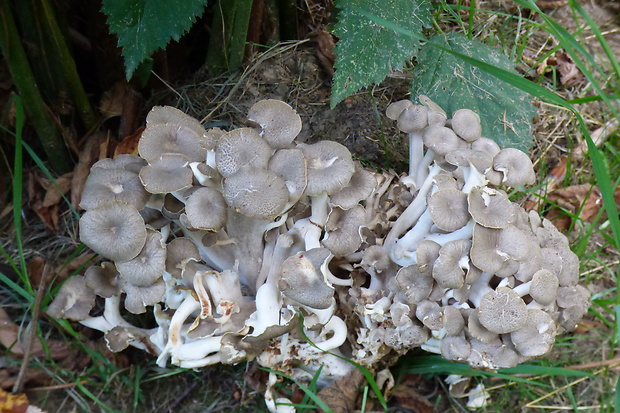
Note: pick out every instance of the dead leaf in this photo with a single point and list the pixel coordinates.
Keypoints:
(341, 396)
(55, 190)
(570, 75)
(325, 49)
(86, 158)
(64, 270)
(408, 397)
(582, 200)
(13, 403)
(111, 103)
(129, 144)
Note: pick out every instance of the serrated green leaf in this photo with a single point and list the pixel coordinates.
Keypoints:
(368, 51)
(505, 111)
(143, 26)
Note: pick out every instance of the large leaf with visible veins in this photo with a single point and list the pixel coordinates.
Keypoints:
(367, 50)
(143, 26)
(505, 111)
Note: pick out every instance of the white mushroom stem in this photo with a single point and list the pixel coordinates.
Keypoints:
(330, 278)
(423, 167)
(268, 306)
(199, 349)
(318, 219)
(432, 345)
(338, 330)
(462, 233)
(215, 257)
(111, 317)
(473, 178)
(416, 153)
(185, 310)
(479, 288)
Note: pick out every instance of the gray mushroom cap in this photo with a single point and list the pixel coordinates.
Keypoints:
(502, 311)
(330, 167)
(128, 162)
(239, 148)
(73, 301)
(103, 280)
(448, 270)
(114, 229)
(466, 124)
(486, 145)
(139, 297)
(149, 265)
(490, 207)
(343, 230)
(290, 165)
(103, 185)
(169, 173)
(395, 109)
(441, 140)
(455, 348)
(206, 209)
(256, 193)
(118, 339)
(163, 138)
(169, 114)
(413, 284)
(301, 279)
(178, 252)
(448, 209)
(279, 121)
(544, 287)
(359, 188)
(516, 167)
(427, 253)
(537, 336)
(413, 118)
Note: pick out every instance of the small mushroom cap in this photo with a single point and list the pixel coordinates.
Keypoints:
(118, 339)
(478, 331)
(466, 124)
(436, 115)
(343, 230)
(139, 297)
(206, 209)
(73, 301)
(128, 162)
(414, 118)
(453, 321)
(330, 167)
(280, 123)
(490, 207)
(114, 229)
(484, 254)
(449, 269)
(302, 281)
(103, 185)
(502, 311)
(178, 252)
(441, 140)
(103, 280)
(516, 166)
(537, 336)
(416, 286)
(149, 265)
(395, 109)
(375, 257)
(163, 138)
(427, 253)
(169, 173)
(290, 165)
(544, 287)
(448, 209)
(455, 348)
(172, 208)
(169, 114)
(486, 145)
(239, 148)
(359, 188)
(256, 193)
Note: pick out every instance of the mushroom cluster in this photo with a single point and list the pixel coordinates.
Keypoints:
(249, 245)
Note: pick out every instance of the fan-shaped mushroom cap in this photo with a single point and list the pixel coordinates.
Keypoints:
(256, 193)
(114, 229)
(149, 265)
(516, 167)
(163, 138)
(413, 118)
(206, 209)
(118, 339)
(436, 115)
(416, 286)
(73, 301)
(486, 145)
(427, 253)
(103, 185)
(280, 123)
(172, 208)
(359, 188)
(448, 209)
(375, 257)
(455, 348)
(168, 114)
(395, 109)
(178, 252)
(448, 270)
(544, 287)
(239, 148)
(502, 311)
(466, 124)
(103, 280)
(441, 140)
(301, 279)
(139, 297)
(343, 230)
(330, 167)
(482, 161)
(478, 331)
(169, 173)
(537, 336)
(128, 162)
(290, 165)
(490, 207)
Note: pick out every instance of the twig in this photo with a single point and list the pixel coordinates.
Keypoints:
(603, 363)
(56, 387)
(32, 332)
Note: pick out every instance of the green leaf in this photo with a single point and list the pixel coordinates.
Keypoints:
(143, 26)
(367, 51)
(505, 111)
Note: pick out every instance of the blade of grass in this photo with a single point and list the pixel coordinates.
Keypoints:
(91, 396)
(320, 403)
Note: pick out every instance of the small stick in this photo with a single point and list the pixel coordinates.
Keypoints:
(56, 387)
(32, 332)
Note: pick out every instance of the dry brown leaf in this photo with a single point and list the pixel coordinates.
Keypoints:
(408, 397)
(129, 144)
(10, 403)
(64, 270)
(87, 157)
(341, 396)
(36, 193)
(325, 49)
(54, 192)
(582, 200)
(111, 103)
(570, 75)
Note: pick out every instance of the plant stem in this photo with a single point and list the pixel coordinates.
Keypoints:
(26, 85)
(228, 35)
(66, 62)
